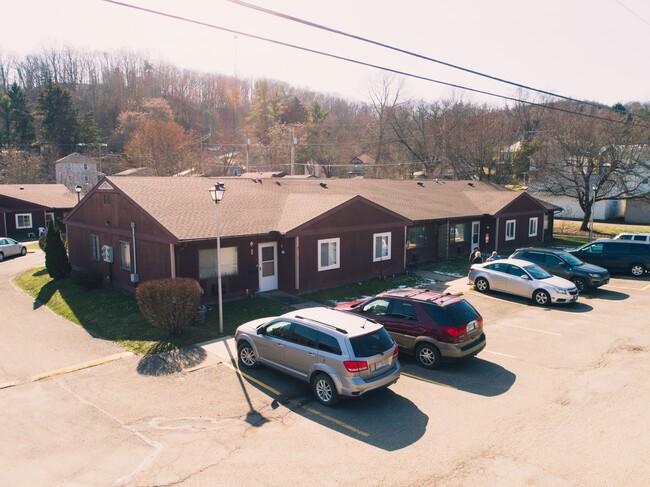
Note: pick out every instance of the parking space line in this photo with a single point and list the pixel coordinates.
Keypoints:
(501, 354)
(4, 385)
(644, 288)
(334, 420)
(297, 404)
(259, 382)
(534, 329)
(426, 380)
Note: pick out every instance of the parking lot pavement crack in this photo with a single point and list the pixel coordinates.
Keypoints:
(147, 461)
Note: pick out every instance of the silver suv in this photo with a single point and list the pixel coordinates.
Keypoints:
(337, 353)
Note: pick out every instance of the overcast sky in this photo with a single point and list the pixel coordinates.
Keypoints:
(587, 49)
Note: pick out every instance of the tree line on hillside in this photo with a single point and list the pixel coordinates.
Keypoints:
(133, 112)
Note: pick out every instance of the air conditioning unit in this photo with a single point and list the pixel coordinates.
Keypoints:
(107, 253)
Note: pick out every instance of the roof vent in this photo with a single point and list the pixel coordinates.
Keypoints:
(21, 188)
(420, 183)
(470, 184)
(323, 185)
(278, 183)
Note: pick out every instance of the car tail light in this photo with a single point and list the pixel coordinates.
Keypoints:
(454, 331)
(356, 366)
(395, 353)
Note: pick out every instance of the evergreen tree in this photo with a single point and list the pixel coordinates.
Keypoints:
(56, 257)
(20, 120)
(88, 130)
(60, 118)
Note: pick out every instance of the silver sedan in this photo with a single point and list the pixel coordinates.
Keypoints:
(522, 278)
(9, 247)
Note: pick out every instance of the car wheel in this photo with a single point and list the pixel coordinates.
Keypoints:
(23, 250)
(481, 284)
(541, 297)
(428, 356)
(580, 283)
(2, 256)
(325, 390)
(246, 355)
(637, 270)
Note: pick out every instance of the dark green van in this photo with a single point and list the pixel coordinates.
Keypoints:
(617, 255)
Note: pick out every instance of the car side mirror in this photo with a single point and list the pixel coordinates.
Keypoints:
(261, 330)
(525, 277)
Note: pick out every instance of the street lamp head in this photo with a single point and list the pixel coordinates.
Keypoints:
(78, 188)
(217, 192)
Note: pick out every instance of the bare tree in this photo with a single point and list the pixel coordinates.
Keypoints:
(592, 160)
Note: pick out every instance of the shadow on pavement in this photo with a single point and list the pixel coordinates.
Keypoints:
(473, 375)
(380, 418)
(605, 294)
(577, 307)
(171, 361)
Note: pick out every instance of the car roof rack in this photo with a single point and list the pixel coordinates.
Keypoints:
(340, 330)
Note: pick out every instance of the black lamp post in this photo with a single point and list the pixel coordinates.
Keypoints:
(216, 193)
(77, 188)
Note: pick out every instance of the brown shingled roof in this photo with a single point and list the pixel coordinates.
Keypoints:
(184, 207)
(47, 195)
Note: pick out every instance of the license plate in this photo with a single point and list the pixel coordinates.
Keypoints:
(382, 363)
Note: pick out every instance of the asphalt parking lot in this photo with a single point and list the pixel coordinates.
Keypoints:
(558, 397)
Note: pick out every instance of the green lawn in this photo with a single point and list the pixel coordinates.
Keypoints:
(113, 314)
(358, 290)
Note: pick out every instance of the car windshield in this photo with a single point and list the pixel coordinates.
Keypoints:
(371, 344)
(571, 259)
(537, 272)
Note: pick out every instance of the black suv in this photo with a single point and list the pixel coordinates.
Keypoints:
(617, 255)
(561, 263)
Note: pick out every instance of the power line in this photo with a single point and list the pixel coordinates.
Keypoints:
(632, 12)
(370, 65)
(427, 58)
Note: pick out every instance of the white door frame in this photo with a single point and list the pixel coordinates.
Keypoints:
(476, 242)
(270, 282)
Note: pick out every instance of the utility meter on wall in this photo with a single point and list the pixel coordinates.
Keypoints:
(107, 253)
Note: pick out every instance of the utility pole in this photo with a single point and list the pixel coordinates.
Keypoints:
(248, 142)
(293, 151)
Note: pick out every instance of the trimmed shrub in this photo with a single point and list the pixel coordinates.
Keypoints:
(87, 279)
(170, 304)
(56, 257)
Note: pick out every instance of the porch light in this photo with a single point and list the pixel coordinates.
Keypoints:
(77, 188)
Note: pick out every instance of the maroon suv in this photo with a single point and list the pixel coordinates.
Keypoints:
(427, 324)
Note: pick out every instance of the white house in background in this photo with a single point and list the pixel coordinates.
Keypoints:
(603, 210)
(76, 169)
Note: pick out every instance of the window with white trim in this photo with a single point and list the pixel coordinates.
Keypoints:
(94, 247)
(329, 254)
(208, 262)
(23, 220)
(381, 246)
(532, 227)
(510, 229)
(125, 255)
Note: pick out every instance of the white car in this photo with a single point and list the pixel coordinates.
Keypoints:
(522, 278)
(9, 247)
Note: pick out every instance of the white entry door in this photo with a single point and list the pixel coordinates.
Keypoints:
(476, 234)
(268, 266)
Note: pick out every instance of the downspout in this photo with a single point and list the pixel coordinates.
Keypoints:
(297, 263)
(135, 258)
(496, 235)
(405, 235)
(172, 259)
